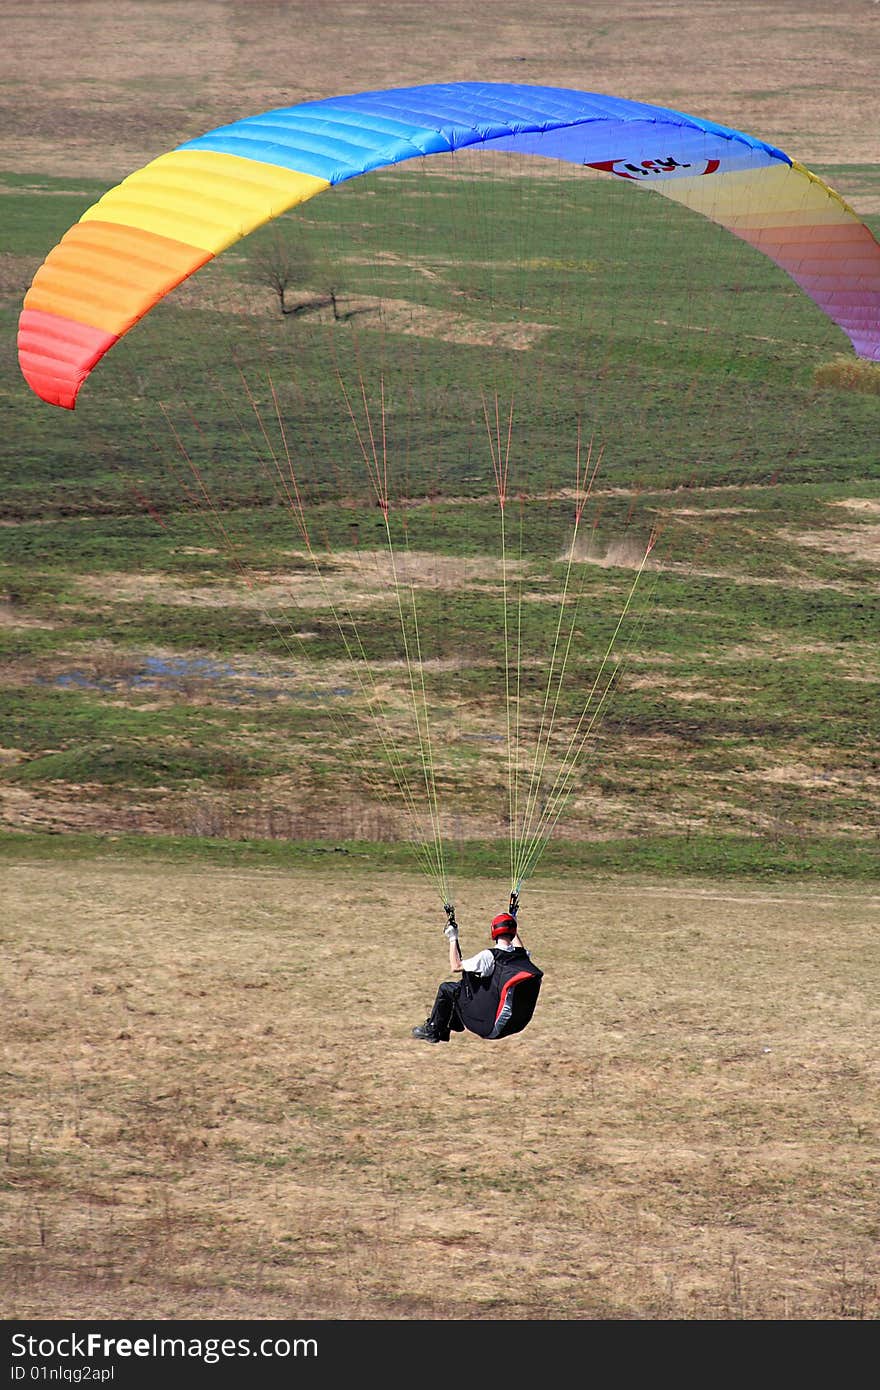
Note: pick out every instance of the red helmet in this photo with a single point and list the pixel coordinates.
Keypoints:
(503, 925)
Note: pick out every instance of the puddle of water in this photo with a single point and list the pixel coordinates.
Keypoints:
(180, 668)
(76, 678)
(158, 673)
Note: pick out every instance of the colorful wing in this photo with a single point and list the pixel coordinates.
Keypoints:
(166, 220)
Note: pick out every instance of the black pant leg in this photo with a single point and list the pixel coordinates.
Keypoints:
(444, 1015)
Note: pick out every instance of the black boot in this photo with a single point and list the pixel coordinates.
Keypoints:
(426, 1032)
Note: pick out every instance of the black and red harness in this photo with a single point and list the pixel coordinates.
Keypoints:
(503, 1003)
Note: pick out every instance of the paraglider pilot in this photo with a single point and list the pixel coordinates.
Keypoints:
(498, 989)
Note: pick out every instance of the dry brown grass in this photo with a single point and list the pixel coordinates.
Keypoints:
(862, 542)
(111, 83)
(345, 579)
(849, 374)
(213, 1108)
(392, 315)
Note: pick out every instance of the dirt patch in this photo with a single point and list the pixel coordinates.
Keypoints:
(708, 512)
(811, 777)
(12, 616)
(419, 321)
(856, 542)
(870, 505)
(355, 579)
(682, 691)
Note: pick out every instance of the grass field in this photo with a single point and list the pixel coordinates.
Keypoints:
(215, 937)
(177, 663)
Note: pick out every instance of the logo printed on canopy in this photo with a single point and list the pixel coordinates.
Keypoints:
(653, 168)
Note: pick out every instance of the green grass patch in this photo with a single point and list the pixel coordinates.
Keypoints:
(597, 315)
(132, 764)
(690, 354)
(728, 857)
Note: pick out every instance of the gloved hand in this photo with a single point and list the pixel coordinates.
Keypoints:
(450, 931)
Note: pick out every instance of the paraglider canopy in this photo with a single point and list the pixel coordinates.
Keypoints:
(168, 219)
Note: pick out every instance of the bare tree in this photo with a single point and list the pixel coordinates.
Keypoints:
(284, 264)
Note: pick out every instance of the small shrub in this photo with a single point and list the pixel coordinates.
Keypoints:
(844, 373)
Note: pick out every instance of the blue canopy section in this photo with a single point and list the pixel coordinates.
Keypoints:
(341, 137)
